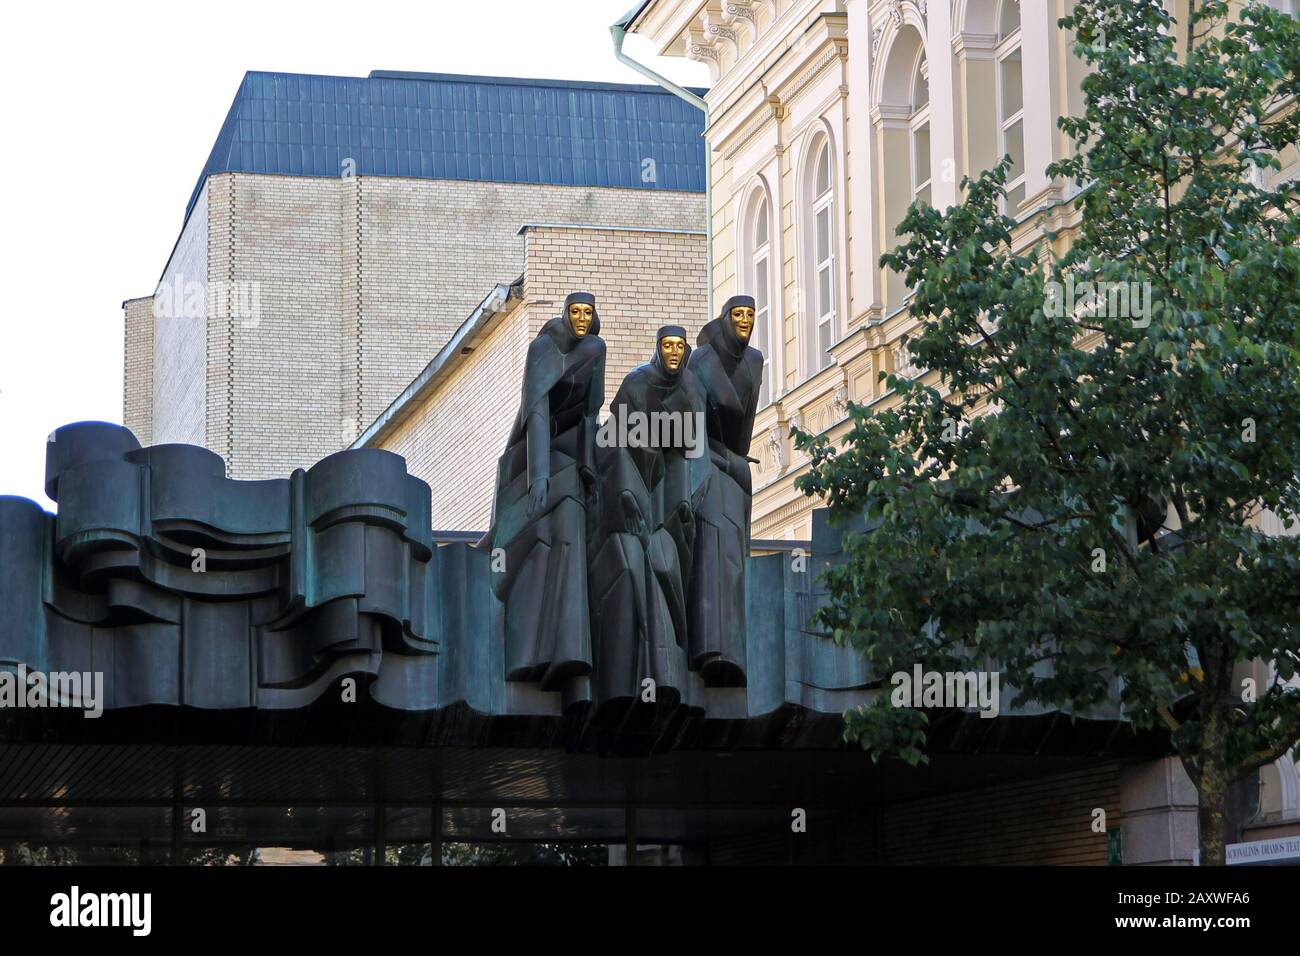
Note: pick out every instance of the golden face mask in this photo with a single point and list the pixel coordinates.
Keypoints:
(580, 318)
(742, 320)
(673, 349)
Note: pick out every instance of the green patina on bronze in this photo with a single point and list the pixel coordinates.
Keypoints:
(306, 582)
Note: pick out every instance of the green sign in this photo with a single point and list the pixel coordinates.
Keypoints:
(1114, 852)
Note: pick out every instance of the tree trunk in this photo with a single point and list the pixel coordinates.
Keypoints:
(1213, 788)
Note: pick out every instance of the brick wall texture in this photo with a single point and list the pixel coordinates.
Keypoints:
(453, 435)
(358, 283)
(180, 323)
(137, 377)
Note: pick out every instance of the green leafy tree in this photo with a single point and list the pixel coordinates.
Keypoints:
(1075, 497)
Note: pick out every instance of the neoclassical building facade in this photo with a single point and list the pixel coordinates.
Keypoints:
(826, 120)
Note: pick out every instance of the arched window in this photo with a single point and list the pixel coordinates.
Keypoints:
(822, 255)
(759, 282)
(919, 126)
(901, 118)
(1011, 102)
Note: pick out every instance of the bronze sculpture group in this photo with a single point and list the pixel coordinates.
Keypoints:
(622, 560)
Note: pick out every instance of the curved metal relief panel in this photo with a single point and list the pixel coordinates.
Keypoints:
(186, 588)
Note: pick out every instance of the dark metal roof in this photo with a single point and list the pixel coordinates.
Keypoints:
(445, 126)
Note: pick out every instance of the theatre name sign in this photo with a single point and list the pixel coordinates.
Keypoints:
(1285, 850)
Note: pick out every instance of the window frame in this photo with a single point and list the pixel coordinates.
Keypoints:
(761, 251)
(1008, 46)
(919, 119)
(823, 314)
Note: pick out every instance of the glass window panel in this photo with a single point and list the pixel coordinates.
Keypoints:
(824, 342)
(823, 178)
(923, 195)
(921, 153)
(920, 89)
(760, 283)
(1015, 199)
(823, 234)
(1010, 18)
(1015, 147)
(760, 227)
(1013, 91)
(823, 291)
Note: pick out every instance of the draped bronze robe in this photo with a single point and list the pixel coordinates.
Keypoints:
(544, 581)
(730, 373)
(641, 571)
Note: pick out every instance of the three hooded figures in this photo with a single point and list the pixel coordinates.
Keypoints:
(619, 548)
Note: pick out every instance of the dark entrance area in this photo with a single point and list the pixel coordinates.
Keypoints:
(158, 803)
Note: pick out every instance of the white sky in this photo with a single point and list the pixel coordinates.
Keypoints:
(112, 110)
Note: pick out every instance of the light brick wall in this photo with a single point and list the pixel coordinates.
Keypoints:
(641, 280)
(430, 251)
(219, 370)
(179, 350)
(453, 437)
(137, 378)
(360, 283)
(286, 400)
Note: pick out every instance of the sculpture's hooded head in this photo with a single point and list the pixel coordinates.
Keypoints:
(580, 311)
(578, 319)
(729, 333)
(671, 351)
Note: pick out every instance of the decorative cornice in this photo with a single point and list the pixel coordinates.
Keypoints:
(703, 53)
(974, 46)
(815, 69)
(775, 112)
(787, 511)
(717, 31)
(740, 10)
(890, 114)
